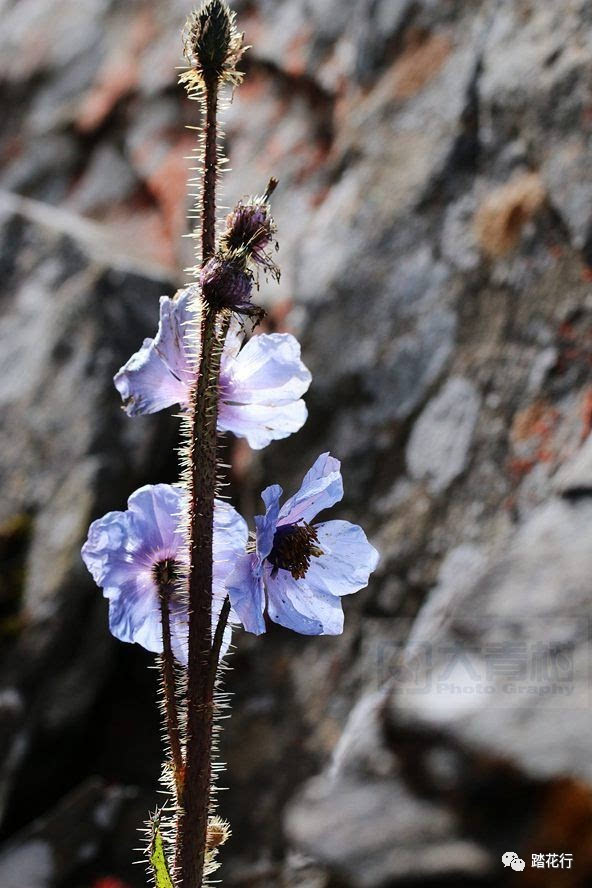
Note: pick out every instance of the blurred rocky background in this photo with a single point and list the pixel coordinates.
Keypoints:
(435, 217)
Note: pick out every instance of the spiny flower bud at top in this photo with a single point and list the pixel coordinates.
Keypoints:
(226, 284)
(250, 228)
(212, 45)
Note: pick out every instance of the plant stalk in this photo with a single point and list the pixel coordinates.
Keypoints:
(210, 179)
(193, 823)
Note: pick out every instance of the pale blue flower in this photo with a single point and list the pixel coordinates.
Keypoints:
(125, 551)
(261, 384)
(299, 570)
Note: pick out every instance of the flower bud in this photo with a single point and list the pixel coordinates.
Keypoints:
(212, 45)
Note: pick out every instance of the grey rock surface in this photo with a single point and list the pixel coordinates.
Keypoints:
(376, 831)
(440, 443)
(53, 848)
(510, 671)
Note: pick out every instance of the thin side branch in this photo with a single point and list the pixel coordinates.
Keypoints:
(218, 639)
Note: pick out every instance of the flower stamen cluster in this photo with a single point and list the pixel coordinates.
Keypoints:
(166, 573)
(293, 547)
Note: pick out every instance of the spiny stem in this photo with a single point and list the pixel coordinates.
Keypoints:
(200, 697)
(170, 694)
(192, 835)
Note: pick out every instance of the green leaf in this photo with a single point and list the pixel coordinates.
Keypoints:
(158, 860)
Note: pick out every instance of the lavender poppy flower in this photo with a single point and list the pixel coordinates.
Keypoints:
(299, 570)
(261, 384)
(131, 554)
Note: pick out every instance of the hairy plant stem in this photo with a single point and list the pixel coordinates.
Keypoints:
(218, 639)
(208, 215)
(193, 823)
(170, 691)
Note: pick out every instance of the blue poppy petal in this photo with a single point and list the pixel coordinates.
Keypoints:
(348, 559)
(262, 389)
(230, 538)
(262, 423)
(230, 541)
(297, 606)
(179, 622)
(160, 373)
(156, 512)
(104, 552)
(134, 613)
(266, 524)
(321, 488)
(245, 589)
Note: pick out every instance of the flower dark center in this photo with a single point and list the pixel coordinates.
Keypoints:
(293, 547)
(166, 573)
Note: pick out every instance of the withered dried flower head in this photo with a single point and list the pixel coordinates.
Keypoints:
(250, 228)
(226, 283)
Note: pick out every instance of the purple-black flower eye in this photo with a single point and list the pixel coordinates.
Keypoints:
(166, 573)
(250, 228)
(293, 547)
